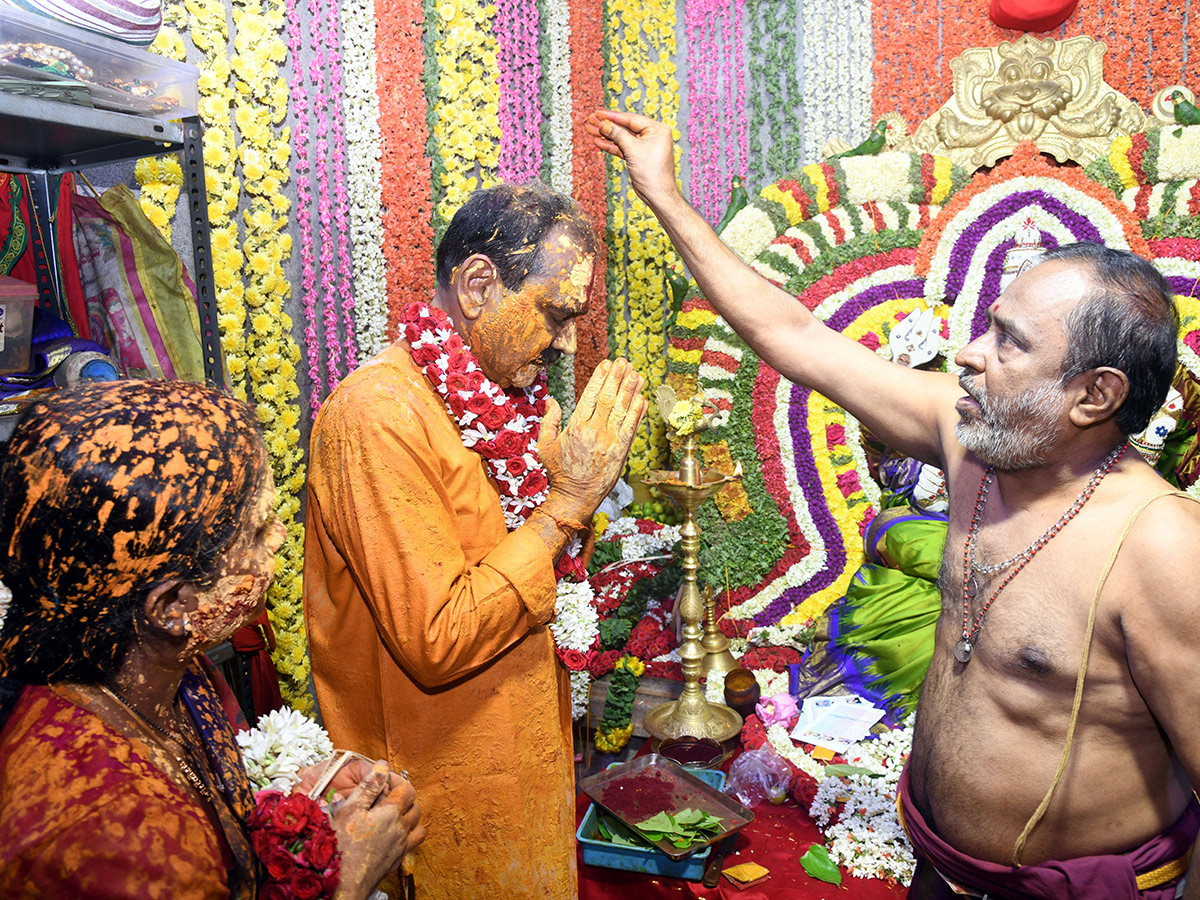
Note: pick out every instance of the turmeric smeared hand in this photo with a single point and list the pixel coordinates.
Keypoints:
(378, 824)
(584, 460)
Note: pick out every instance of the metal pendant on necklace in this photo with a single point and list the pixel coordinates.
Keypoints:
(963, 650)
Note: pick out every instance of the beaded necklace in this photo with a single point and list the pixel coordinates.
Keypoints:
(970, 631)
(188, 750)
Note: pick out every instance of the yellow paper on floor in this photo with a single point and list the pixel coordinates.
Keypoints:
(744, 872)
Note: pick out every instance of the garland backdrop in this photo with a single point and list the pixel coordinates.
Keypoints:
(341, 135)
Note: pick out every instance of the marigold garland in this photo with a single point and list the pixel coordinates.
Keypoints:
(615, 729)
(464, 105)
(585, 18)
(404, 119)
(161, 177)
(259, 107)
(641, 72)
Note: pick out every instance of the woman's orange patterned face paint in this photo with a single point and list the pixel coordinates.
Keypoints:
(238, 593)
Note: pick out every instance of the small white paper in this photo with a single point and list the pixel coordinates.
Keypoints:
(835, 722)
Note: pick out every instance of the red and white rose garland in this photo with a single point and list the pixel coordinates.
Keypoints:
(503, 427)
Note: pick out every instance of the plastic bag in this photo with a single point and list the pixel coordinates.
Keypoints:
(759, 775)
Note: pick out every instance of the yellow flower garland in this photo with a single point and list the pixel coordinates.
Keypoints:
(642, 44)
(161, 177)
(260, 106)
(466, 130)
(250, 285)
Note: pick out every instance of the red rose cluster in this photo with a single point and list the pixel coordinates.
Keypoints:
(295, 842)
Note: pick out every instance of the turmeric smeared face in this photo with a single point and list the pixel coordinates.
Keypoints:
(522, 331)
(238, 591)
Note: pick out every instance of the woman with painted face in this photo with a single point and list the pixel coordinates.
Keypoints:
(138, 528)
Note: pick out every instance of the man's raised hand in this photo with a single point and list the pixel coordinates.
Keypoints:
(646, 146)
(584, 460)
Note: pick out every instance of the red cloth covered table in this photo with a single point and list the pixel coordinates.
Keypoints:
(777, 838)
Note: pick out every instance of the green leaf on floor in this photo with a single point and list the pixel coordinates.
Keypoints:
(817, 863)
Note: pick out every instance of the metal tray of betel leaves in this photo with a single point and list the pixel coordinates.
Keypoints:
(648, 786)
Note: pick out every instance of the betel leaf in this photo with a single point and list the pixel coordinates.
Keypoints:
(817, 863)
(658, 822)
(682, 829)
(689, 817)
(616, 832)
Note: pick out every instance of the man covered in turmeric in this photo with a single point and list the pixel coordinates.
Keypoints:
(442, 494)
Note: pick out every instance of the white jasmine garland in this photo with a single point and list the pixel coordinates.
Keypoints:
(793, 634)
(5, 602)
(1179, 157)
(557, 23)
(576, 622)
(749, 233)
(639, 546)
(279, 746)
(581, 683)
(363, 178)
(714, 687)
(867, 840)
(837, 84)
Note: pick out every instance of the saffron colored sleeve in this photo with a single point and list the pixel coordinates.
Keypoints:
(419, 527)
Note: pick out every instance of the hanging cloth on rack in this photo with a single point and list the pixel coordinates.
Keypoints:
(18, 232)
(141, 304)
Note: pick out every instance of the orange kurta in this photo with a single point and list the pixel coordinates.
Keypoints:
(427, 631)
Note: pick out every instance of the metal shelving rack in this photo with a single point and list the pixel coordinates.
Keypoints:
(45, 139)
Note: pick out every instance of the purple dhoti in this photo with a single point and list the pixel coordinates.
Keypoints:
(1149, 871)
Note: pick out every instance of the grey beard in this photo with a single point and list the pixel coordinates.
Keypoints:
(1012, 433)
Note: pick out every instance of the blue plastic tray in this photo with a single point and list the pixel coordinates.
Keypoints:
(598, 852)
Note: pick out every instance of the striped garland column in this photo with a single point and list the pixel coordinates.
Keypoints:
(837, 50)
(402, 71)
(584, 37)
(555, 48)
(364, 176)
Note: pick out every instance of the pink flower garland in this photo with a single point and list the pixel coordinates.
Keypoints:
(316, 72)
(716, 102)
(332, 215)
(341, 210)
(516, 28)
(303, 200)
(739, 104)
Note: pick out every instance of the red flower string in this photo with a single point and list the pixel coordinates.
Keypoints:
(407, 207)
(587, 169)
(501, 426)
(296, 844)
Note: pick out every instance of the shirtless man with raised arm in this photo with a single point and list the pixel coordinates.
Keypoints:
(1079, 353)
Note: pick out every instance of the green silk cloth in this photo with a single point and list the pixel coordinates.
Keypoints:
(878, 640)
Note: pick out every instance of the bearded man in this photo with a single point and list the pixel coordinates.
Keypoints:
(436, 514)
(1066, 556)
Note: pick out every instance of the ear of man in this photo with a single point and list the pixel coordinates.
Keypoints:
(476, 283)
(1099, 394)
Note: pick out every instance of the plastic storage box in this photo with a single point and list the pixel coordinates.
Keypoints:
(117, 76)
(17, 300)
(598, 852)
